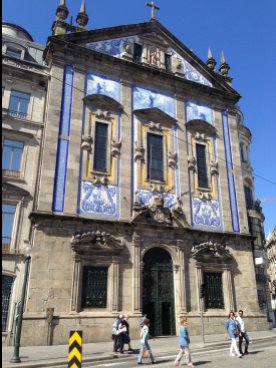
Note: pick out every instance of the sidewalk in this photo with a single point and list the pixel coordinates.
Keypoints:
(47, 356)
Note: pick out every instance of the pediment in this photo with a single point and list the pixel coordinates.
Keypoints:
(201, 126)
(155, 114)
(119, 42)
(99, 241)
(210, 251)
(14, 190)
(103, 101)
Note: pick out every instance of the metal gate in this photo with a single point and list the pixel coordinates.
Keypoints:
(158, 292)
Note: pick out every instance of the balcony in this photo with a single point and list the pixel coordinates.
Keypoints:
(11, 173)
(18, 114)
(6, 246)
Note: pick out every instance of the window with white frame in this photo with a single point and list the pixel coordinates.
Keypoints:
(8, 214)
(19, 103)
(7, 283)
(12, 151)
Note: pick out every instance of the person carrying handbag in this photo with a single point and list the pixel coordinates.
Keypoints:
(144, 345)
(233, 330)
(184, 342)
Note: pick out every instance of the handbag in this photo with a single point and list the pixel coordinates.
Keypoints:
(236, 332)
(145, 353)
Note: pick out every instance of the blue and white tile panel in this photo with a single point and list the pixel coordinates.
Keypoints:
(98, 200)
(144, 197)
(63, 141)
(100, 84)
(145, 98)
(231, 177)
(206, 214)
(195, 110)
(113, 47)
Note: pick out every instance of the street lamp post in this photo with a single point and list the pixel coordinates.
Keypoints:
(27, 257)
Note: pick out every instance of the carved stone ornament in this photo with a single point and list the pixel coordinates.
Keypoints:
(128, 51)
(200, 136)
(156, 187)
(205, 196)
(155, 126)
(102, 114)
(192, 163)
(100, 179)
(158, 212)
(116, 148)
(139, 153)
(87, 143)
(210, 250)
(172, 159)
(96, 240)
(214, 168)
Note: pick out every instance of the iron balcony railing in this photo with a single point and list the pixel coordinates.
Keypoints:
(18, 114)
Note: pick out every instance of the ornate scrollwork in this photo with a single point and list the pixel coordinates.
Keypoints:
(205, 196)
(100, 179)
(192, 163)
(102, 114)
(200, 136)
(96, 240)
(172, 159)
(128, 51)
(210, 249)
(156, 187)
(139, 153)
(214, 167)
(87, 143)
(155, 126)
(116, 148)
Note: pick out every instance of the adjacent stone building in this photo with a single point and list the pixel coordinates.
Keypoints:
(141, 192)
(24, 81)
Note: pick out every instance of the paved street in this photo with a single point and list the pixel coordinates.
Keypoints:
(263, 355)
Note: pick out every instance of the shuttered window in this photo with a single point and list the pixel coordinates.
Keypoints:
(201, 166)
(155, 157)
(100, 153)
(94, 287)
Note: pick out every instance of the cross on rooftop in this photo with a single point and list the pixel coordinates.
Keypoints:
(153, 7)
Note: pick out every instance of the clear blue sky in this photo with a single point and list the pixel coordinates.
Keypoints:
(243, 29)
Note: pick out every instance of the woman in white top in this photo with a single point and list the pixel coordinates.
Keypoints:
(144, 336)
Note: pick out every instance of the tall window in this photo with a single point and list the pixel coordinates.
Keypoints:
(202, 166)
(19, 103)
(168, 62)
(100, 153)
(244, 155)
(8, 212)
(94, 287)
(137, 54)
(248, 196)
(7, 282)
(155, 157)
(12, 155)
(213, 290)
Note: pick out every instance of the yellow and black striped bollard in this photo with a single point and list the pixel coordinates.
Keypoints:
(75, 349)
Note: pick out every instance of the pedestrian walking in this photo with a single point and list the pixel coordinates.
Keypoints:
(142, 320)
(115, 333)
(184, 342)
(124, 330)
(232, 328)
(145, 348)
(121, 329)
(243, 334)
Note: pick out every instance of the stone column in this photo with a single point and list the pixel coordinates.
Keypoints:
(182, 283)
(136, 274)
(115, 285)
(199, 281)
(228, 290)
(76, 284)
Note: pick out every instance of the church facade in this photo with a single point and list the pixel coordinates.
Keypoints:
(141, 194)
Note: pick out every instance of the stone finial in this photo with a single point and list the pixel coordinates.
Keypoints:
(224, 69)
(211, 62)
(82, 17)
(62, 10)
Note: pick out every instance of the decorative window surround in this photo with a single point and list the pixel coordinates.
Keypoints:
(98, 249)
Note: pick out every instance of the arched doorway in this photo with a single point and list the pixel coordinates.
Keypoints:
(158, 292)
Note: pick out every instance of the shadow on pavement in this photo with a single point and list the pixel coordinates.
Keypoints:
(201, 362)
